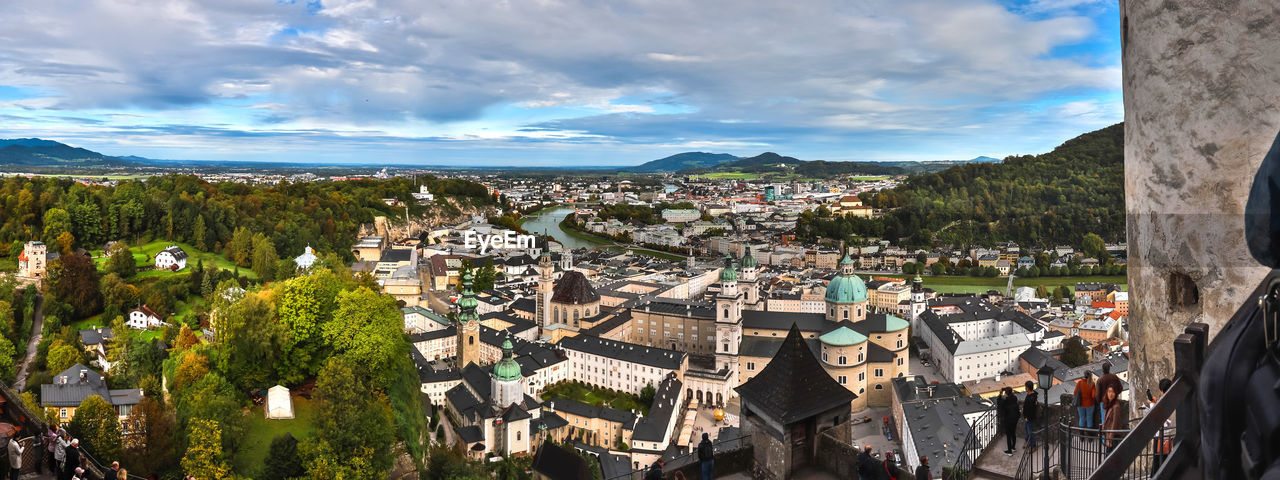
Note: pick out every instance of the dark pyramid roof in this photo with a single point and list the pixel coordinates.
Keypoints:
(794, 385)
(574, 288)
(560, 464)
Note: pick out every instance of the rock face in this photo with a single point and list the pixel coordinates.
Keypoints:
(1202, 106)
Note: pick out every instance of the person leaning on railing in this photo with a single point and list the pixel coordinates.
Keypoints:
(1114, 424)
(1085, 399)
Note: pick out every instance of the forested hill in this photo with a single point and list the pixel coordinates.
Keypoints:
(1036, 200)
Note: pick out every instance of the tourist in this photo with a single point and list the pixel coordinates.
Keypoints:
(707, 456)
(1115, 418)
(1007, 408)
(1085, 399)
(78, 474)
(50, 440)
(888, 471)
(72, 461)
(113, 472)
(866, 464)
(60, 454)
(15, 458)
(1106, 381)
(1030, 407)
(1163, 439)
(922, 472)
(123, 474)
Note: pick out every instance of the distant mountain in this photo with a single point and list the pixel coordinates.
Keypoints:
(681, 161)
(770, 162)
(35, 152)
(985, 159)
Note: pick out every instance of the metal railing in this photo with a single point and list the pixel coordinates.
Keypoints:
(1189, 352)
(975, 442)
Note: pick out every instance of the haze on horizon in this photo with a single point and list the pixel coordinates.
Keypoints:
(471, 82)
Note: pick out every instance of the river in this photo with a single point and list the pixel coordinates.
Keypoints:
(549, 221)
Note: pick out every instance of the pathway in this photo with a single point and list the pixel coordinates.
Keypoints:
(37, 327)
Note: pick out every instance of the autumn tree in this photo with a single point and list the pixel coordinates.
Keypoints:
(56, 221)
(203, 458)
(198, 234)
(265, 259)
(1093, 246)
(240, 248)
(97, 425)
(186, 338)
(191, 368)
(76, 283)
(150, 449)
(7, 352)
(65, 242)
(62, 356)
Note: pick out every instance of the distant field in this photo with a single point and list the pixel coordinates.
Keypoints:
(143, 255)
(730, 176)
(957, 284)
(870, 178)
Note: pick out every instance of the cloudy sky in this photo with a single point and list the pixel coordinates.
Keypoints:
(556, 82)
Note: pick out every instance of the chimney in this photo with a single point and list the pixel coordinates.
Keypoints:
(84, 376)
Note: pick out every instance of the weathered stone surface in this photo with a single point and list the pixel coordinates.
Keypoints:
(1202, 106)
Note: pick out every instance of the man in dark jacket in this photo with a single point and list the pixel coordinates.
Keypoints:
(887, 469)
(707, 456)
(922, 472)
(1030, 407)
(1107, 379)
(1009, 412)
(73, 458)
(867, 464)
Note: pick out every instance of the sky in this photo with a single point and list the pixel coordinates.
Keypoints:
(558, 82)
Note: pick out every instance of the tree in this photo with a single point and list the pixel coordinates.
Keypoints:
(353, 418)
(97, 425)
(6, 360)
(265, 259)
(65, 241)
(305, 304)
(198, 234)
(282, 460)
(76, 283)
(120, 260)
(486, 276)
(186, 339)
(191, 368)
(1093, 246)
(62, 356)
(240, 248)
(203, 458)
(938, 269)
(1041, 291)
(1064, 292)
(647, 393)
(246, 332)
(56, 221)
(151, 446)
(1074, 354)
(368, 326)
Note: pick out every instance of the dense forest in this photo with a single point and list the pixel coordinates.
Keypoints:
(183, 208)
(1035, 200)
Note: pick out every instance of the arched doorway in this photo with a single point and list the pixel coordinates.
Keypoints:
(688, 393)
(699, 396)
(719, 399)
(708, 396)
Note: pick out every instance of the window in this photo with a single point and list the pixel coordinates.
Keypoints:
(63, 413)
(751, 366)
(899, 343)
(726, 347)
(843, 360)
(879, 387)
(833, 312)
(859, 358)
(824, 357)
(471, 340)
(841, 379)
(879, 372)
(517, 435)
(899, 362)
(862, 376)
(726, 313)
(846, 314)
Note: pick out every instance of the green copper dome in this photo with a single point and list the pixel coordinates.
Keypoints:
(847, 260)
(507, 369)
(846, 289)
(730, 272)
(749, 261)
(842, 337)
(467, 304)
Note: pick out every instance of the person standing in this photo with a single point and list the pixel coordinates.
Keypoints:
(113, 472)
(50, 439)
(1115, 418)
(888, 471)
(922, 472)
(1107, 380)
(1030, 407)
(707, 456)
(1086, 399)
(60, 454)
(72, 457)
(1009, 414)
(15, 458)
(866, 464)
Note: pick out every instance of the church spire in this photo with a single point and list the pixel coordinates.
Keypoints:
(467, 304)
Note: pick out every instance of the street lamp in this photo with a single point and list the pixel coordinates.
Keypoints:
(1045, 375)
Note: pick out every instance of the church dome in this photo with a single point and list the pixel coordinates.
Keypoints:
(507, 369)
(468, 301)
(749, 261)
(846, 289)
(573, 288)
(729, 273)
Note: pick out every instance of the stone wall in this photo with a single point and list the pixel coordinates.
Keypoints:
(1201, 108)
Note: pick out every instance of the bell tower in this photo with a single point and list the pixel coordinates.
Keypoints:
(546, 280)
(728, 320)
(468, 325)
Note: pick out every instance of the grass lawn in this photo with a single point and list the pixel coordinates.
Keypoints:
(587, 236)
(142, 255)
(186, 309)
(651, 253)
(595, 396)
(869, 178)
(260, 433)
